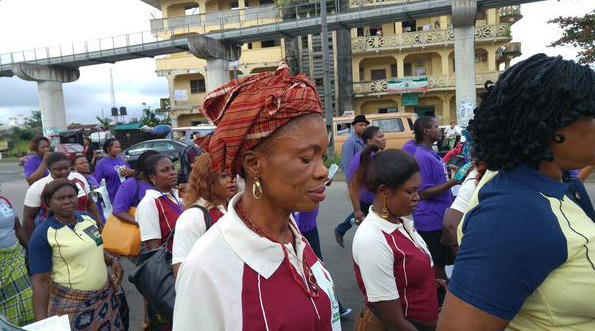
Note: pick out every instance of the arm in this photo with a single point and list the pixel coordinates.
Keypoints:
(126, 218)
(585, 173)
(434, 191)
(357, 210)
(152, 244)
(29, 214)
(459, 316)
(41, 295)
(391, 315)
(452, 218)
(39, 173)
(18, 230)
(175, 267)
(189, 228)
(147, 218)
(124, 200)
(116, 267)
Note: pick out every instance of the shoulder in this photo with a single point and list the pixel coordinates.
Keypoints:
(77, 176)
(190, 217)
(211, 253)
(40, 233)
(368, 236)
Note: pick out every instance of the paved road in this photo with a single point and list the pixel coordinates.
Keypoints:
(332, 211)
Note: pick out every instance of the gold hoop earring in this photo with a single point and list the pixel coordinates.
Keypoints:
(257, 189)
(384, 211)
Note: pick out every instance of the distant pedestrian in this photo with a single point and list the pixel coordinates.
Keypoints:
(112, 168)
(88, 151)
(36, 167)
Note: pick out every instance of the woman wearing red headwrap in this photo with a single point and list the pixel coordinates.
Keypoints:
(253, 270)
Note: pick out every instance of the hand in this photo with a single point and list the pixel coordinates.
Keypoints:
(45, 156)
(359, 216)
(126, 172)
(441, 284)
(117, 273)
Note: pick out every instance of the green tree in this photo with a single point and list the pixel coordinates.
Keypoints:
(578, 32)
(33, 121)
(152, 118)
(105, 122)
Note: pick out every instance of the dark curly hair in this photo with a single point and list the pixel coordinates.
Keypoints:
(518, 116)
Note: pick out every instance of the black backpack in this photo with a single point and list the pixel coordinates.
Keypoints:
(187, 156)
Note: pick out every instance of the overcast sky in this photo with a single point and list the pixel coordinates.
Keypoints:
(40, 23)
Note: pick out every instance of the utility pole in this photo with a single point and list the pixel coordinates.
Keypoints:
(326, 66)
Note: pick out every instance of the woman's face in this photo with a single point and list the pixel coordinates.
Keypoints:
(292, 173)
(86, 142)
(43, 147)
(115, 149)
(165, 177)
(578, 149)
(378, 139)
(404, 200)
(60, 169)
(64, 201)
(81, 165)
(225, 187)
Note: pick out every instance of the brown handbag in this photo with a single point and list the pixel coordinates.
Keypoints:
(121, 238)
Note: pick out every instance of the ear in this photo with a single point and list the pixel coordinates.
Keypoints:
(252, 164)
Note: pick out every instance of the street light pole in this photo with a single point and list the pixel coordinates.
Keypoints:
(326, 66)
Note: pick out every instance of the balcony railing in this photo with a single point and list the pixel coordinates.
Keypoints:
(435, 82)
(509, 50)
(509, 14)
(216, 19)
(426, 38)
(368, 3)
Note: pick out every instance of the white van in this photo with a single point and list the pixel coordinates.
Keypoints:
(187, 133)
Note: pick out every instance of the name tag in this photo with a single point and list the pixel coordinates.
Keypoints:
(5, 210)
(93, 232)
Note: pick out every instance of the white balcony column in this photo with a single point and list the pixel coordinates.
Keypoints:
(463, 19)
(444, 57)
(400, 65)
(445, 109)
(51, 95)
(217, 73)
(492, 59)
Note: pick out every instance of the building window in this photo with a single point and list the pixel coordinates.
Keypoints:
(393, 70)
(197, 86)
(481, 14)
(378, 74)
(270, 43)
(386, 110)
(389, 125)
(407, 69)
(409, 26)
(249, 45)
(267, 2)
(376, 30)
(233, 5)
(360, 32)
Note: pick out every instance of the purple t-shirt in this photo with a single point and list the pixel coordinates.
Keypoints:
(364, 195)
(410, 147)
(32, 164)
(306, 221)
(108, 168)
(130, 193)
(429, 213)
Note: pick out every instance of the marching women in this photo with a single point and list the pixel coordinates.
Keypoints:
(253, 270)
(393, 265)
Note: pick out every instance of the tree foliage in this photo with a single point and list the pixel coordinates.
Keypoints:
(151, 118)
(105, 122)
(578, 32)
(33, 121)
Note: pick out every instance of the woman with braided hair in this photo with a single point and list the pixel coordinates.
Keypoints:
(527, 252)
(253, 270)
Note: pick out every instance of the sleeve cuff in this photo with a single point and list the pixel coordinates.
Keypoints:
(480, 304)
(383, 297)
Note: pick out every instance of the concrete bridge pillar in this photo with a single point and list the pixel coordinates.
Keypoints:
(463, 21)
(51, 96)
(218, 54)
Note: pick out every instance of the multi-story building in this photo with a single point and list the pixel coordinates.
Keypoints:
(381, 56)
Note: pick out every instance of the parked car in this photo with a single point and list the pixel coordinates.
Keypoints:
(71, 150)
(167, 147)
(187, 133)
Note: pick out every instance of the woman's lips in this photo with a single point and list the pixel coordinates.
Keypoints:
(317, 194)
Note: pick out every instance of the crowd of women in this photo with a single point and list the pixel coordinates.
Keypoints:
(522, 227)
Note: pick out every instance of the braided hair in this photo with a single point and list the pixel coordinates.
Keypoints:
(518, 116)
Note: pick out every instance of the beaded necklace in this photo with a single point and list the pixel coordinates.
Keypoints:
(311, 280)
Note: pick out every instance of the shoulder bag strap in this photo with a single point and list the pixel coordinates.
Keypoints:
(208, 220)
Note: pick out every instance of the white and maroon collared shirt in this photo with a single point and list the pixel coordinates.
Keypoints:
(392, 261)
(233, 279)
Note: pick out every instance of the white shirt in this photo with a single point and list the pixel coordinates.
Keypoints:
(230, 278)
(33, 196)
(147, 214)
(190, 227)
(374, 257)
(465, 192)
(452, 132)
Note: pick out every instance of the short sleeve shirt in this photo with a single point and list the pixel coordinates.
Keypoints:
(392, 261)
(429, 212)
(157, 214)
(364, 195)
(526, 253)
(7, 219)
(73, 255)
(32, 164)
(108, 169)
(33, 195)
(130, 193)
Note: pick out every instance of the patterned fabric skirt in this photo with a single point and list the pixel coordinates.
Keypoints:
(16, 296)
(87, 310)
(367, 321)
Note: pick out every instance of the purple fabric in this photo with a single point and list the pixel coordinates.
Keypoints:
(32, 164)
(107, 168)
(130, 193)
(410, 147)
(364, 195)
(573, 173)
(94, 184)
(429, 213)
(306, 221)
